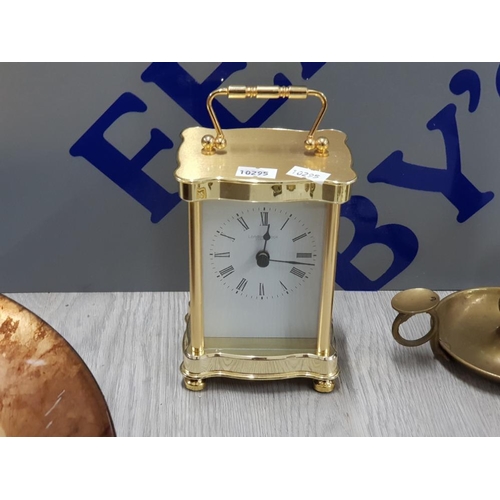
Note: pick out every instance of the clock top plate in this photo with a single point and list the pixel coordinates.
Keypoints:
(262, 164)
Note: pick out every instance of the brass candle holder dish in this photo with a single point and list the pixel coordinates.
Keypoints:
(465, 326)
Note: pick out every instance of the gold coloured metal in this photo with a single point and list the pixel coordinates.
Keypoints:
(195, 281)
(411, 302)
(465, 326)
(194, 384)
(257, 359)
(214, 176)
(328, 280)
(210, 145)
(324, 386)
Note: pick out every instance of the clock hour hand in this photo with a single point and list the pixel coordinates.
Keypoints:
(292, 262)
(267, 237)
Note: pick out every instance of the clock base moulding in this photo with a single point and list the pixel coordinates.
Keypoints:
(264, 359)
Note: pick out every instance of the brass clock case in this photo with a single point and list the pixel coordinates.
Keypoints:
(210, 164)
(213, 177)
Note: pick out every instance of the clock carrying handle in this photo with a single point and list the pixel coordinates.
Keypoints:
(210, 144)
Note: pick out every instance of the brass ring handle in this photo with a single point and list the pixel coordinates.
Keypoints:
(408, 304)
(212, 144)
(401, 318)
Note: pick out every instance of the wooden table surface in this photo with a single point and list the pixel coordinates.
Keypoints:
(132, 344)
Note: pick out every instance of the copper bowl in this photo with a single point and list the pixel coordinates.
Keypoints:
(45, 387)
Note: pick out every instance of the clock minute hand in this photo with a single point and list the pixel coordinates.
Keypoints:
(292, 262)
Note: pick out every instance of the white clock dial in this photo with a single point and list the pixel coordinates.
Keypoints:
(262, 268)
(263, 252)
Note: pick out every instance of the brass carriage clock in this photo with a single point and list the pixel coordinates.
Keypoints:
(264, 212)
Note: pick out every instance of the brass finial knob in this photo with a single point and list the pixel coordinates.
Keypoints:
(208, 145)
(319, 146)
(211, 144)
(322, 144)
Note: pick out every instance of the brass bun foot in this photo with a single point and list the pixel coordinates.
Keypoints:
(324, 385)
(194, 384)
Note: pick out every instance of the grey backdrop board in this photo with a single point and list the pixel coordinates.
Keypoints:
(88, 201)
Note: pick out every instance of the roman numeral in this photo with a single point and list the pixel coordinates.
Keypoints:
(301, 255)
(222, 254)
(242, 284)
(224, 273)
(297, 238)
(241, 220)
(297, 272)
(285, 223)
(284, 287)
(261, 289)
(225, 235)
(264, 218)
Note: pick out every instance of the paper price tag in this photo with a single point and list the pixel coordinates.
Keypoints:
(265, 173)
(310, 175)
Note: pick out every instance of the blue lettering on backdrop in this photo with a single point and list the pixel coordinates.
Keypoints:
(451, 182)
(310, 68)
(399, 239)
(467, 81)
(497, 80)
(116, 166)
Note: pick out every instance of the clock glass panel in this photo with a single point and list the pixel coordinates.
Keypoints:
(262, 268)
